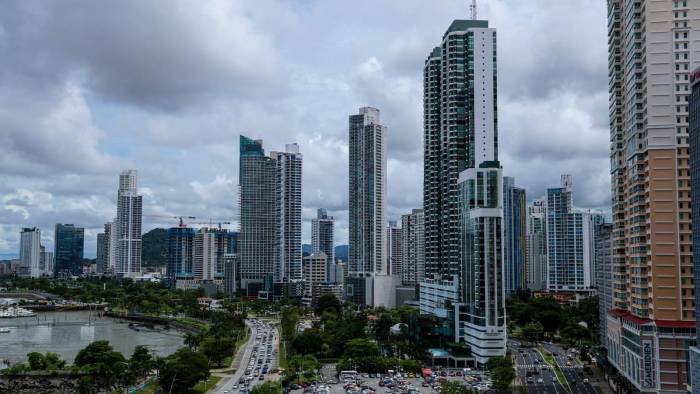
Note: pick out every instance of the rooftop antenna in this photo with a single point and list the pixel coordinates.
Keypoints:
(472, 9)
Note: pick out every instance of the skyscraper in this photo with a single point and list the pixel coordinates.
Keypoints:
(652, 46)
(450, 147)
(289, 170)
(603, 272)
(570, 242)
(69, 242)
(515, 235)
(205, 254)
(368, 281)
(322, 236)
(694, 142)
(367, 175)
(413, 247)
(537, 245)
(463, 190)
(269, 243)
(102, 253)
(180, 256)
(394, 248)
(128, 225)
(30, 252)
(259, 222)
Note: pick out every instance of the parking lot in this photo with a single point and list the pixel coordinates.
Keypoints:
(399, 383)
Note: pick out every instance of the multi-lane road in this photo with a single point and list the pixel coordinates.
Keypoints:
(533, 372)
(571, 368)
(259, 354)
(539, 377)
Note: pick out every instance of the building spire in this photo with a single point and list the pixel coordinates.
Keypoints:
(472, 9)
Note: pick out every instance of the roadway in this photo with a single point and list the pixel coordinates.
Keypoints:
(244, 357)
(571, 368)
(528, 359)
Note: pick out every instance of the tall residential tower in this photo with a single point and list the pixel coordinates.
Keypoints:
(652, 48)
(463, 190)
(368, 281)
(128, 225)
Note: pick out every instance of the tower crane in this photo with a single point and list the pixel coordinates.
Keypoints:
(180, 218)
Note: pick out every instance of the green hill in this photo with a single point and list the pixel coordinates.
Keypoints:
(154, 246)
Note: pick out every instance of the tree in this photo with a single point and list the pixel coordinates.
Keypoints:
(382, 327)
(141, 362)
(308, 342)
(269, 387)
(36, 361)
(533, 331)
(216, 349)
(182, 370)
(328, 303)
(105, 365)
(360, 347)
(502, 372)
(453, 387)
(503, 378)
(192, 340)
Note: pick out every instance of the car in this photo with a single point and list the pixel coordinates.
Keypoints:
(235, 386)
(530, 380)
(539, 380)
(262, 377)
(225, 391)
(554, 379)
(585, 380)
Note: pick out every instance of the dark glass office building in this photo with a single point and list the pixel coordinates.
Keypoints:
(69, 242)
(694, 143)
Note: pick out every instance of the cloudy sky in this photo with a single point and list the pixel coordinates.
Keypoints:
(89, 88)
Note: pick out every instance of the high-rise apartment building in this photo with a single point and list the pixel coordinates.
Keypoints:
(694, 142)
(603, 272)
(652, 48)
(199, 256)
(322, 234)
(570, 242)
(30, 252)
(537, 245)
(514, 235)
(205, 256)
(46, 262)
(128, 225)
(258, 219)
(269, 243)
(69, 243)
(289, 169)
(463, 190)
(314, 269)
(413, 247)
(368, 281)
(101, 256)
(394, 248)
(367, 177)
(449, 92)
(180, 256)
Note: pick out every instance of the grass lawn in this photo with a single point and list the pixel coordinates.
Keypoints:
(283, 356)
(150, 388)
(549, 359)
(211, 382)
(193, 323)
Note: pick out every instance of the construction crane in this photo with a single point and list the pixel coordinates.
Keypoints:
(212, 222)
(180, 218)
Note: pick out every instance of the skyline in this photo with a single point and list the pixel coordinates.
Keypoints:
(162, 130)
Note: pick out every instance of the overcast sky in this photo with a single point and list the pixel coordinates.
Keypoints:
(90, 88)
